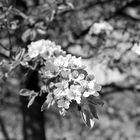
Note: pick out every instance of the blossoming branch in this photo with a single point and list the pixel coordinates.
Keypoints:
(64, 80)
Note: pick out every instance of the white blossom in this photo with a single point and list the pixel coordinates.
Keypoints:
(75, 62)
(61, 90)
(91, 88)
(63, 103)
(75, 93)
(36, 48)
(101, 26)
(62, 61)
(136, 48)
(76, 77)
(45, 48)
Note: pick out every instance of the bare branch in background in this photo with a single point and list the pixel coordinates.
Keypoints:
(1, 45)
(4, 56)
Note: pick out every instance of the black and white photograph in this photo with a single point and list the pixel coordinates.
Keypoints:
(69, 69)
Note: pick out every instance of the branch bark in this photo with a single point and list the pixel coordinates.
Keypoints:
(33, 118)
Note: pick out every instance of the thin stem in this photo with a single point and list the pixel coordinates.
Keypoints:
(20, 13)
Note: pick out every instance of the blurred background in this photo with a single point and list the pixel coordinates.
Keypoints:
(107, 55)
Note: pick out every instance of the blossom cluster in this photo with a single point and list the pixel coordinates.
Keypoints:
(44, 48)
(97, 28)
(65, 78)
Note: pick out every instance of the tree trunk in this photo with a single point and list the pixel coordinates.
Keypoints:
(33, 118)
(3, 129)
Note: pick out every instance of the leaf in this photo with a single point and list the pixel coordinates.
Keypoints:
(20, 54)
(87, 118)
(31, 101)
(44, 106)
(32, 35)
(32, 95)
(26, 35)
(70, 5)
(64, 7)
(93, 111)
(14, 65)
(46, 11)
(41, 31)
(95, 100)
(25, 92)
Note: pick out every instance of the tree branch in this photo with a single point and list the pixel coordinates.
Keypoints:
(4, 56)
(3, 46)
(113, 87)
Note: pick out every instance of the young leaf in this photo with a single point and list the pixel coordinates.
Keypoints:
(95, 100)
(93, 111)
(87, 118)
(31, 101)
(25, 92)
(20, 54)
(26, 35)
(44, 106)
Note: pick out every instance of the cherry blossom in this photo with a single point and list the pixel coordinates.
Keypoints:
(69, 81)
(45, 48)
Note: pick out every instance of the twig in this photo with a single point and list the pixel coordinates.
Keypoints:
(20, 13)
